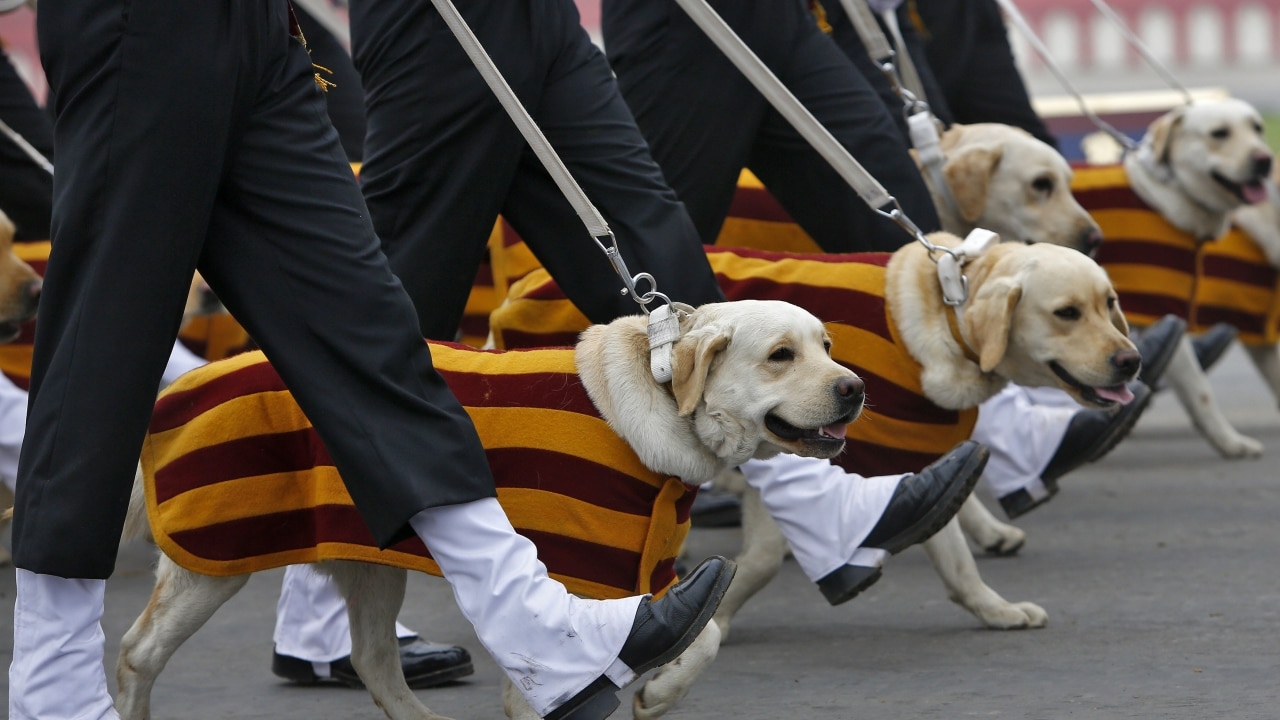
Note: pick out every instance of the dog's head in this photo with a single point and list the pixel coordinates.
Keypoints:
(1005, 180)
(1044, 315)
(1214, 151)
(201, 301)
(20, 286)
(750, 379)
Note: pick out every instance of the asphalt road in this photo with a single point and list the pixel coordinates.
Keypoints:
(1158, 567)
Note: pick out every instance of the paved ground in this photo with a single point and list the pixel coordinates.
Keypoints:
(1157, 567)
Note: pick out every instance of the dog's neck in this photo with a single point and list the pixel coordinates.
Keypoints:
(1155, 183)
(948, 376)
(613, 363)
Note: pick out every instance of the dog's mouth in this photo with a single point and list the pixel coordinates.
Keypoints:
(1101, 396)
(1249, 192)
(824, 441)
(9, 331)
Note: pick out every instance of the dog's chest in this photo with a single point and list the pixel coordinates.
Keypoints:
(229, 450)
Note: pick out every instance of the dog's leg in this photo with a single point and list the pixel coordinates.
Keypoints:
(672, 681)
(1192, 386)
(954, 563)
(374, 594)
(180, 604)
(763, 550)
(1267, 359)
(987, 531)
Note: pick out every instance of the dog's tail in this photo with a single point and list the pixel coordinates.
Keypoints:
(136, 524)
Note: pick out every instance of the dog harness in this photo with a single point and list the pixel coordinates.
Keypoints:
(900, 430)
(237, 480)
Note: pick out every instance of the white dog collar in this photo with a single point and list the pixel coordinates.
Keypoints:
(664, 331)
(955, 286)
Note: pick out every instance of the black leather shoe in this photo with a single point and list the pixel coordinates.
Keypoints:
(715, 508)
(1212, 344)
(921, 504)
(1157, 345)
(661, 631)
(1020, 501)
(1094, 433)
(426, 664)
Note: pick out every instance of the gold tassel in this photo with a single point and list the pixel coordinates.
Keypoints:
(820, 14)
(324, 83)
(913, 12)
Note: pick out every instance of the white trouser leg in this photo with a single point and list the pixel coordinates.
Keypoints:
(57, 671)
(823, 512)
(181, 360)
(548, 642)
(1022, 427)
(311, 618)
(13, 427)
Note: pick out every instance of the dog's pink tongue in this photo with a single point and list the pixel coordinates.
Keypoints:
(1120, 393)
(836, 430)
(1254, 192)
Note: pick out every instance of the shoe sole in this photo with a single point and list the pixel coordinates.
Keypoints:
(704, 616)
(1157, 365)
(941, 514)
(417, 682)
(600, 700)
(868, 577)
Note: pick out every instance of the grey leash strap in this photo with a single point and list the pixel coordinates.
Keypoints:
(27, 148)
(782, 100)
(664, 320)
(569, 187)
(1016, 17)
(1136, 43)
(922, 125)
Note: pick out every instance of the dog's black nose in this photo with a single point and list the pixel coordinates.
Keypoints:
(1261, 165)
(1127, 361)
(1091, 240)
(851, 388)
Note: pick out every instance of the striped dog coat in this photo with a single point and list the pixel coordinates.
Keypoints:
(237, 480)
(900, 429)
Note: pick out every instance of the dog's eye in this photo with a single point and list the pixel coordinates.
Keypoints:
(1068, 313)
(1111, 303)
(782, 354)
(1221, 133)
(826, 345)
(1043, 185)
(1257, 128)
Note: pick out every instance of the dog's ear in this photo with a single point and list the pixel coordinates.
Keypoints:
(968, 173)
(989, 317)
(691, 361)
(1161, 133)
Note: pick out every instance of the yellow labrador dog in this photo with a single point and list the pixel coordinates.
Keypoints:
(1003, 179)
(1196, 165)
(748, 379)
(1038, 315)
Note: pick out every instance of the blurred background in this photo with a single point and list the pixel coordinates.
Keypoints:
(1211, 46)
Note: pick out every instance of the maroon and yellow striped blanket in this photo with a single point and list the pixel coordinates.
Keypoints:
(1159, 269)
(901, 430)
(237, 480)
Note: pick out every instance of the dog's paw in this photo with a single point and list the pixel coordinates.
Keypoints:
(1239, 447)
(1014, 616)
